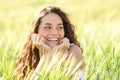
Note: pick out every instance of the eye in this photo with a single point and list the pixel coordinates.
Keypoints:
(60, 27)
(47, 27)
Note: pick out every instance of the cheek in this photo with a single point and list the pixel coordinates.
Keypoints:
(62, 34)
(42, 33)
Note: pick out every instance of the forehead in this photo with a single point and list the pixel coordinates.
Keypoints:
(52, 18)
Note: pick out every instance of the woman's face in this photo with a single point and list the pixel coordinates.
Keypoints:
(51, 29)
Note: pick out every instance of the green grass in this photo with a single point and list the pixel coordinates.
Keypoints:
(56, 67)
(97, 21)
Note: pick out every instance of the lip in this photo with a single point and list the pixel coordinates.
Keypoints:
(53, 39)
(53, 42)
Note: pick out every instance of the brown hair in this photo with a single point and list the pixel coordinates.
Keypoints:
(29, 55)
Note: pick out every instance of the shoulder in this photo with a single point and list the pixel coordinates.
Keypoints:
(76, 48)
(76, 51)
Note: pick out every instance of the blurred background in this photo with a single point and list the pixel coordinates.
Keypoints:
(97, 27)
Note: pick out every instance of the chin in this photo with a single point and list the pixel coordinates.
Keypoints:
(52, 46)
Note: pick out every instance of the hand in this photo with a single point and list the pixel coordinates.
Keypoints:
(64, 45)
(39, 42)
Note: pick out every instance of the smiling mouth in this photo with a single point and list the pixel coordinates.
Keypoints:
(53, 41)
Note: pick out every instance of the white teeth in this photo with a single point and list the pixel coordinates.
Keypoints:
(53, 39)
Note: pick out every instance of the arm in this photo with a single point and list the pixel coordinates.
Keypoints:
(77, 53)
(78, 56)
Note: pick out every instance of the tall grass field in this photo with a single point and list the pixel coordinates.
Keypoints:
(97, 27)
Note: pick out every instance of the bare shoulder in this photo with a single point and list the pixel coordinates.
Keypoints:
(78, 54)
(76, 51)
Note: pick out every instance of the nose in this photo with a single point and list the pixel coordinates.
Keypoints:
(54, 32)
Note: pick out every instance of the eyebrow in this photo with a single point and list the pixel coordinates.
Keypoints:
(51, 24)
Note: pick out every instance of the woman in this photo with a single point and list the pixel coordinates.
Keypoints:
(51, 30)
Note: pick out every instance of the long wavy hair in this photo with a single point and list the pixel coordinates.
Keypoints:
(29, 56)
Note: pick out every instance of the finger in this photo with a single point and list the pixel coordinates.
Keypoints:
(44, 46)
(37, 39)
(66, 43)
(33, 39)
(41, 41)
(66, 39)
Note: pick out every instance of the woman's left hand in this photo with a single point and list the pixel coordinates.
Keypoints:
(64, 45)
